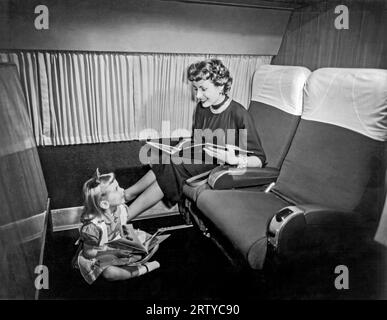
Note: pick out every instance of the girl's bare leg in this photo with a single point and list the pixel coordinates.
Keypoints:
(113, 273)
(140, 186)
(145, 200)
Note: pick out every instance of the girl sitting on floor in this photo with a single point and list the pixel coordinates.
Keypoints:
(103, 218)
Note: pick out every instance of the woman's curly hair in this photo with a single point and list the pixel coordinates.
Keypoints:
(212, 69)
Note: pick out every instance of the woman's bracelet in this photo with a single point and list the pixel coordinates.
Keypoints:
(242, 161)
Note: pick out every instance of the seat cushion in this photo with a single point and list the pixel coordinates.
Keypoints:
(242, 217)
(192, 193)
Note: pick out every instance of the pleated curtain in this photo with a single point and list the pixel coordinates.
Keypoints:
(92, 97)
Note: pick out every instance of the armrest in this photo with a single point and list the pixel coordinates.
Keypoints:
(309, 225)
(320, 215)
(226, 177)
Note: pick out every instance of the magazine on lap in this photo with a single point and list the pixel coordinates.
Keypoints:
(137, 241)
(188, 144)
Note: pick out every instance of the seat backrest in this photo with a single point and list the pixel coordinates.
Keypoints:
(337, 156)
(276, 107)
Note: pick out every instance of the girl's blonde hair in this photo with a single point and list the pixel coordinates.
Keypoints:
(93, 192)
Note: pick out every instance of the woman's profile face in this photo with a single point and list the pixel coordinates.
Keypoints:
(207, 93)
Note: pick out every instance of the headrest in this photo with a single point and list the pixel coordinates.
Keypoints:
(355, 99)
(280, 87)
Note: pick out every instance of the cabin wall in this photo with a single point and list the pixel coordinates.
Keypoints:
(4, 23)
(311, 39)
(23, 193)
(145, 26)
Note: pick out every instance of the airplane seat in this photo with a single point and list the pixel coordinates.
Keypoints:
(337, 156)
(276, 107)
(331, 180)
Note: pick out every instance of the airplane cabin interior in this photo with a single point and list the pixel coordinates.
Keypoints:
(91, 91)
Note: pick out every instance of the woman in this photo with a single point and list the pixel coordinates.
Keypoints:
(215, 112)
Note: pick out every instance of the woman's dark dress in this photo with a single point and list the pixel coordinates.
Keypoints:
(171, 177)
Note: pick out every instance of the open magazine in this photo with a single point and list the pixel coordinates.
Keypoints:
(187, 144)
(137, 241)
(171, 149)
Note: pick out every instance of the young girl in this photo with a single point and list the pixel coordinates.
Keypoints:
(103, 218)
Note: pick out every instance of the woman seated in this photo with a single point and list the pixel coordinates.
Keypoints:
(216, 115)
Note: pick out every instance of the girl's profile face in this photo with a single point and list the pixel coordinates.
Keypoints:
(207, 93)
(114, 194)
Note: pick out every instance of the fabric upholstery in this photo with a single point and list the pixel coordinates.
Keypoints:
(332, 166)
(242, 216)
(355, 99)
(280, 87)
(276, 129)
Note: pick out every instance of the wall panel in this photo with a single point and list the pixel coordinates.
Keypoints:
(311, 39)
(23, 193)
(146, 26)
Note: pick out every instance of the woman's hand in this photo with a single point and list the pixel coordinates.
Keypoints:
(225, 156)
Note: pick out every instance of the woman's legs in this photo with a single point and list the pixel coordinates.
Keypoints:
(142, 184)
(147, 199)
(146, 193)
(171, 178)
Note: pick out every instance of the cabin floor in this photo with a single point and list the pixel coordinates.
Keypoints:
(193, 268)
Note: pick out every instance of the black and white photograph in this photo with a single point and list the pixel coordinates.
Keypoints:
(193, 157)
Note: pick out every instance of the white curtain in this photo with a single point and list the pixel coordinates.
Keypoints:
(78, 97)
